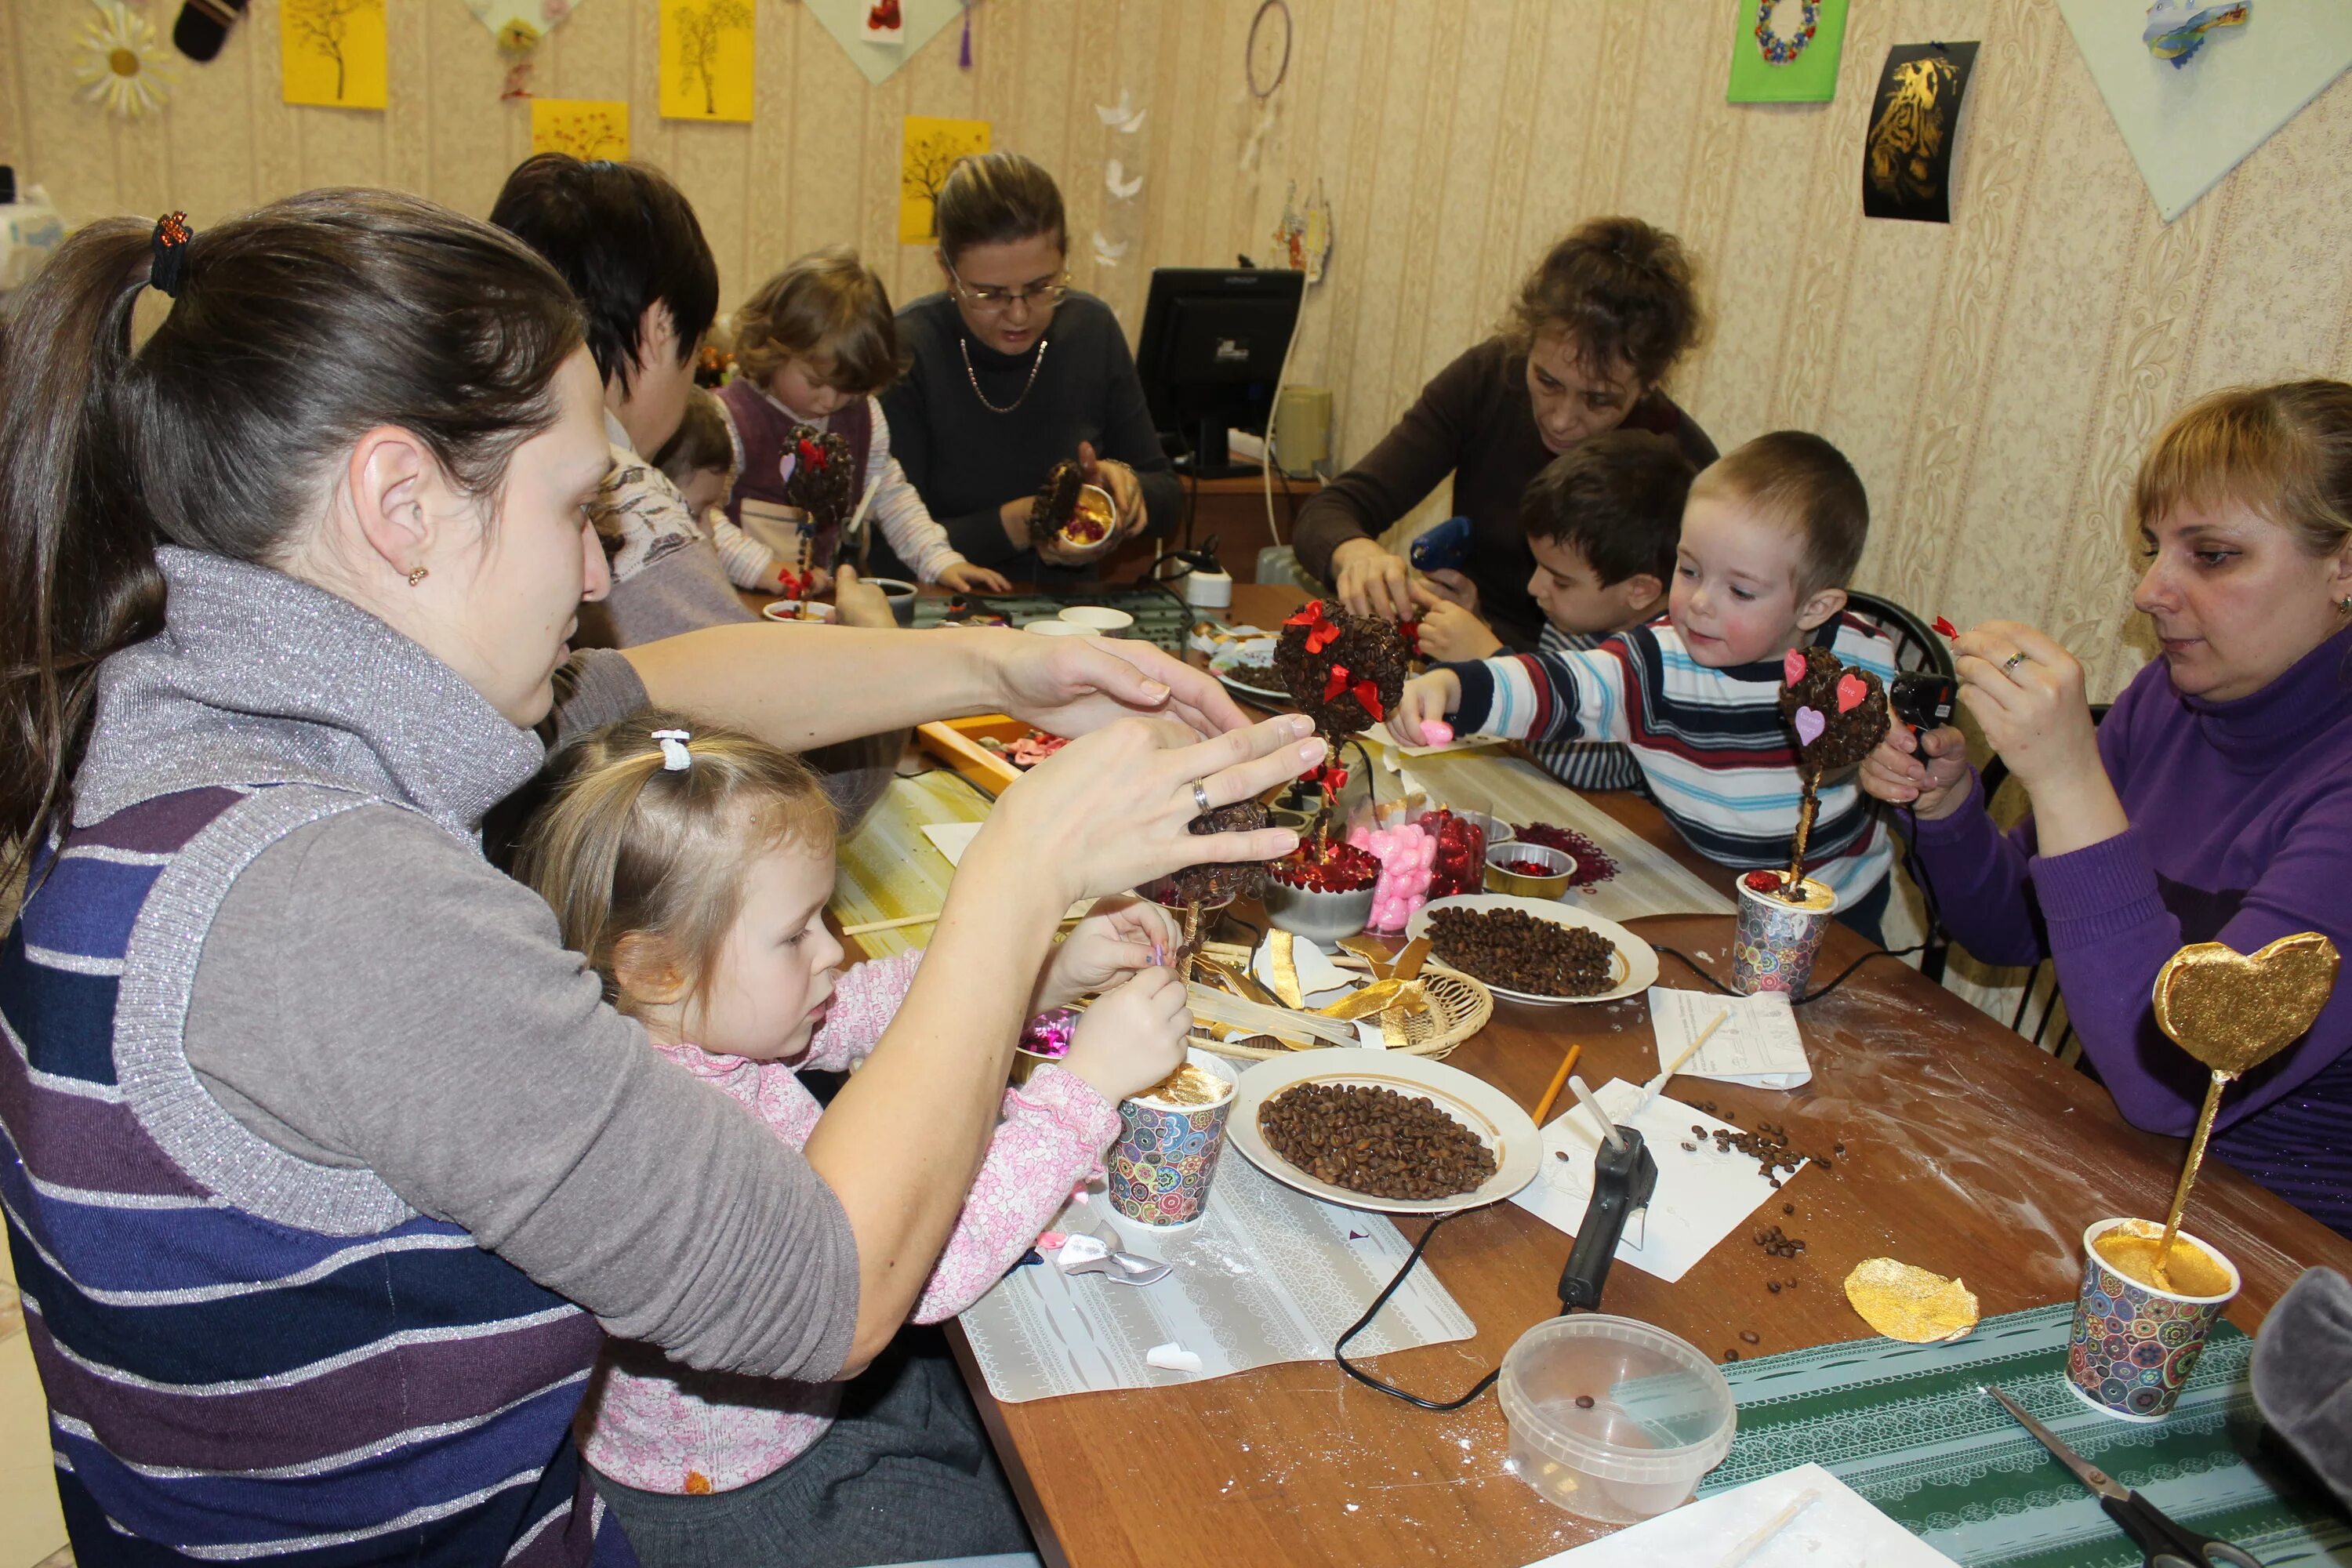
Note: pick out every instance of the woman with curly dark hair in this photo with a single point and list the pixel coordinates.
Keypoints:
(1585, 348)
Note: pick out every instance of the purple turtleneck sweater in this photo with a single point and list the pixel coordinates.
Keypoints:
(2241, 832)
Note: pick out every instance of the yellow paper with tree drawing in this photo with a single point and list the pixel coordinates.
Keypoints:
(705, 59)
(928, 149)
(586, 128)
(333, 52)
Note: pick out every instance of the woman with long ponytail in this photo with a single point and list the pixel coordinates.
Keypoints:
(326, 1166)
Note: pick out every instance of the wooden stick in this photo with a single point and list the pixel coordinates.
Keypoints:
(2189, 1172)
(890, 925)
(1559, 1082)
(1676, 1066)
(1811, 803)
(1592, 1109)
(1771, 1527)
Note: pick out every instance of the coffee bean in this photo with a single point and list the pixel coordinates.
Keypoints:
(1773, 1286)
(1788, 1208)
(1689, 1148)
(1584, 1402)
(1731, 1355)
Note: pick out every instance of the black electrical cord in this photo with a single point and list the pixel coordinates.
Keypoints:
(1339, 1350)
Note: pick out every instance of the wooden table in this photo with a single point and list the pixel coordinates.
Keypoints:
(1968, 1151)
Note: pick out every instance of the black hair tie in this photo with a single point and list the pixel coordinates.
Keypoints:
(169, 248)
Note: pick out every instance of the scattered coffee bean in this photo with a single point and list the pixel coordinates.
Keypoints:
(1839, 1148)
(1773, 1286)
(1515, 950)
(1584, 1402)
(1374, 1140)
(1560, 1155)
(1788, 1208)
(1731, 1355)
(1689, 1148)
(1748, 1336)
(1696, 1130)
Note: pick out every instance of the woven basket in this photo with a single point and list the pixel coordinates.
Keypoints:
(1459, 1007)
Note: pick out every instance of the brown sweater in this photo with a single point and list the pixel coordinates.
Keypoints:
(1474, 421)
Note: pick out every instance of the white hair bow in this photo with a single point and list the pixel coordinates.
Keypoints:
(676, 759)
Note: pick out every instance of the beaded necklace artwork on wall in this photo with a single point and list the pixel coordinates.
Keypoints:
(1777, 50)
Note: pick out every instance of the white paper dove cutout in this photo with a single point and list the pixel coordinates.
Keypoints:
(1107, 253)
(1114, 177)
(1122, 116)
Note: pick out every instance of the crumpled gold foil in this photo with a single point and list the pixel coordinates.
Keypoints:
(2233, 1011)
(1285, 957)
(1910, 1304)
(1379, 996)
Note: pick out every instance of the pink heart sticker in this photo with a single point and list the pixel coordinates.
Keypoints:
(1792, 666)
(784, 469)
(1810, 725)
(1850, 692)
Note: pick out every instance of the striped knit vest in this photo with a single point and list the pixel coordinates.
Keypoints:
(248, 1356)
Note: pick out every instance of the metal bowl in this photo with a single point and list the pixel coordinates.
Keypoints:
(1315, 915)
(1552, 885)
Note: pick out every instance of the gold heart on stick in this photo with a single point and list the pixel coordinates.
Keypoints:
(2234, 1013)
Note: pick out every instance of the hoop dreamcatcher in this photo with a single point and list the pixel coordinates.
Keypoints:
(1777, 49)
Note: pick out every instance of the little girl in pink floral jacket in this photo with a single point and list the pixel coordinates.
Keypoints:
(716, 942)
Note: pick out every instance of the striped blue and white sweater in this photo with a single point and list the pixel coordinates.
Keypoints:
(1710, 742)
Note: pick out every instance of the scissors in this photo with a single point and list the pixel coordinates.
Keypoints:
(2166, 1544)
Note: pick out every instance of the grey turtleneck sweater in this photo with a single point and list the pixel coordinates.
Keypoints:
(372, 997)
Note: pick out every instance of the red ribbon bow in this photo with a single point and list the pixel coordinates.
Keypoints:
(1334, 683)
(1329, 777)
(812, 453)
(1370, 696)
(1320, 633)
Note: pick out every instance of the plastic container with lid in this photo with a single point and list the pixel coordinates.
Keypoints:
(1612, 1419)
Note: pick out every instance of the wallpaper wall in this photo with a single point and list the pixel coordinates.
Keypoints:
(1994, 380)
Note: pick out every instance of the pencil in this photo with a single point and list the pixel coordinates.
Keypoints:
(1559, 1082)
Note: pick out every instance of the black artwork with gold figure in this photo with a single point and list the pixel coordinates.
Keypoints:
(1907, 158)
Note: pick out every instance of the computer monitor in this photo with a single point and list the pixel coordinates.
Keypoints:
(1211, 353)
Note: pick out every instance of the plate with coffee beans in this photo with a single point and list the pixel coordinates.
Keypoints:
(1536, 949)
(1384, 1130)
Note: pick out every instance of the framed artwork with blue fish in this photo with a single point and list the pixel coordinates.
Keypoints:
(1906, 154)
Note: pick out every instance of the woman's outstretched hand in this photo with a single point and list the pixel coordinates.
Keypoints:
(1071, 686)
(1114, 809)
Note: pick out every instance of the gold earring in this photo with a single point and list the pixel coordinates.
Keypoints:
(417, 574)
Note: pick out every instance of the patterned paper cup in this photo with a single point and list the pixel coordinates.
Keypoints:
(2134, 1345)
(1775, 943)
(1166, 1154)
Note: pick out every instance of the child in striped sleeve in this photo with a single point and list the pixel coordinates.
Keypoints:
(1601, 519)
(1770, 535)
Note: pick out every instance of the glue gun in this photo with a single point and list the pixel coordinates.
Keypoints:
(1445, 547)
(1624, 1177)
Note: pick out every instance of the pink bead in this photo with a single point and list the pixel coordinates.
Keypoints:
(1436, 733)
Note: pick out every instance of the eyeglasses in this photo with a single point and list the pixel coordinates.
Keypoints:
(989, 296)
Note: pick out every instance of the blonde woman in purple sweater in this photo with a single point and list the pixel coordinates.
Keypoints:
(2215, 802)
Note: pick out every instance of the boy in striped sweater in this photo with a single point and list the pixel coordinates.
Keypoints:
(1601, 519)
(1770, 534)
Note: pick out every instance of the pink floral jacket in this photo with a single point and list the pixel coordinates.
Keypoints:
(651, 1424)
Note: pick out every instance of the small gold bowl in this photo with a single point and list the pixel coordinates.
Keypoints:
(1553, 884)
(1097, 511)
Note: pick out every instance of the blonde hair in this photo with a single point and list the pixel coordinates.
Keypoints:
(827, 305)
(702, 442)
(625, 846)
(2283, 451)
(1804, 483)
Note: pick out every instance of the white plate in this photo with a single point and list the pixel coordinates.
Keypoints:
(1243, 667)
(1636, 965)
(1478, 1105)
(820, 613)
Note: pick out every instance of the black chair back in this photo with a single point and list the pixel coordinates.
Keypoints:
(1916, 645)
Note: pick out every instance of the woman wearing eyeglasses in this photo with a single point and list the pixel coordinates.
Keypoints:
(1011, 371)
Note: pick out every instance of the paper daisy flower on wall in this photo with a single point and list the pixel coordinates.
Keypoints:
(121, 64)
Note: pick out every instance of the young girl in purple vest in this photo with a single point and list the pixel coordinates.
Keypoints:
(693, 870)
(812, 347)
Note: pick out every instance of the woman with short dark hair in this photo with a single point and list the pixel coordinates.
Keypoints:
(1585, 348)
(1012, 371)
